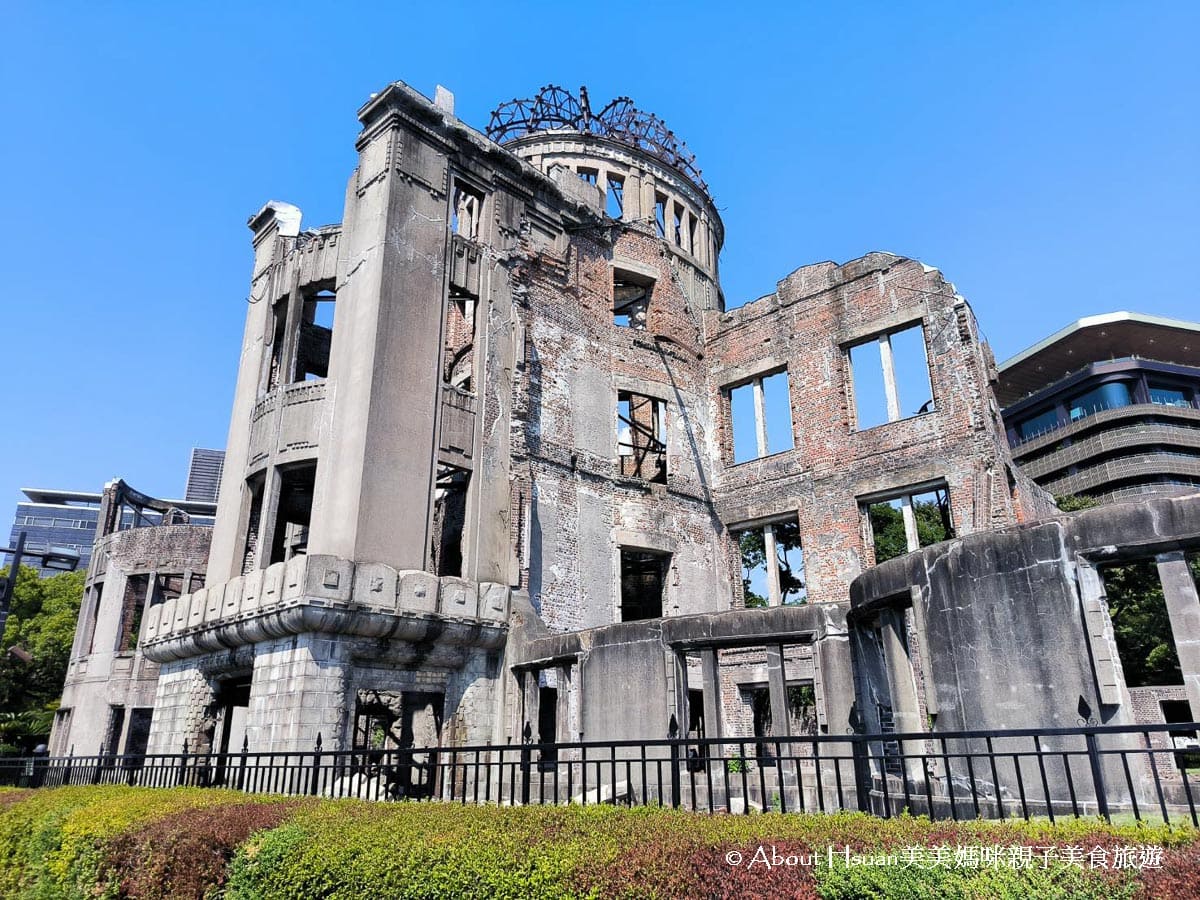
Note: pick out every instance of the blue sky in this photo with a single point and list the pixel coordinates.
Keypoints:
(1043, 155)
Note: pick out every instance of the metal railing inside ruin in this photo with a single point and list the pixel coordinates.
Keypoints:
(1142, 771)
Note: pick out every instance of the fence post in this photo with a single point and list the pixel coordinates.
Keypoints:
(1093, 751)
(526, 738)
(673, 735)
(862, 776)
(316, 767)
(67, 770)
(99, 764)
(183, 764)
(241, 782)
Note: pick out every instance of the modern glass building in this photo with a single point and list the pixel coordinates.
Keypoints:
(1108, 407)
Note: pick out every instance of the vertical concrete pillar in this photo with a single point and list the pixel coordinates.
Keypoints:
(771, 552)
(633, 197)
(889, 378)
(777, 686)
(531, 703)
(1183, 609)
(902, 685)
(710, 672)
(911, 536)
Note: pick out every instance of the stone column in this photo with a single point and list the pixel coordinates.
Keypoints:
(901, 683)
(777, 686)
(710, 669)
(1183, 608)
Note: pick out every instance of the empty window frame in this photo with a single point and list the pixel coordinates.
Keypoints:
(276, 362)
(643, 583)
(642, 437)
(166, 587)
(614, 199)
(1141, 624)
(631, 299)
(294, 512)
(449, 519)
(890, 377)
(459, 352)
(677, 226)
(254, 490)
(761, 415)
(660, 215)
(909, 521)
(97, 592)
(316, 335)
(466, 212)
(589, 175)
(772, 561)
(133, 603)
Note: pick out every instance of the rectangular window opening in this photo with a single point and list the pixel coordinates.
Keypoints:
(294, 512)
(615, 197)
(642, 437)
(278, 337)
(660, 215)
(890, 378)
(1112, 395)
(466, 213)
(1141, 625)
(907, 522)
(761, 415)
(772, 561)
(643, 583)
(254, 487)
(1167, 395)
(112, 735)
(96, 593)
(316, 335)
(631, 299)
(166, 587)
(677, 226)
(459, 352)
(588, 175)
(449, 519)
(133, 604)
(139, 733)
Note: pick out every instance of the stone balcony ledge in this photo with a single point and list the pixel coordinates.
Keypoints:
(332, 595)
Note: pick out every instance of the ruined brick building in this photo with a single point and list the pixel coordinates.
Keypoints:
(486, 468)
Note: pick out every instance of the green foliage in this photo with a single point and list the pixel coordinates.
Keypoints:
(754, 556)
(42, 624)
(109, 842)
(1075, 502)
(887, 527)
(1141, 624)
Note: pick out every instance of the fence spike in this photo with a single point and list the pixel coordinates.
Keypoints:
(527, 733)
(185, 747)
(672, 728)
(245, 743)
(318, 742)
(71, 752)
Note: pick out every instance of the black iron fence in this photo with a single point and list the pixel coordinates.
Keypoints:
(1143, 771)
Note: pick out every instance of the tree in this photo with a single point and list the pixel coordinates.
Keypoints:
(887, 526)
(40, 630)
(1075, 502)
(754, 556)
(1141, 625)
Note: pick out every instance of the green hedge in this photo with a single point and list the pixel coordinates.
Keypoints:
(138, 843)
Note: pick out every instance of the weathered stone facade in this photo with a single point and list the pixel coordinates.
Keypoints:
(505, 466)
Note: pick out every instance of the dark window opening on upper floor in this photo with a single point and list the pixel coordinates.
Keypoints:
(449, 520)
(909, 521)
(643, 583)
(133, 604)
(660, 215)
(278, 337)
(167, 587)
(631, 299)
(1033, 426)
(316, 336)
(642, 437)
(255, 491)
(466, 213)
(459, 352)
(760, 414)
(889, 377)
(588, 175)
(294, 512)
(94, 597)
(677, 226)
(614, 199)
